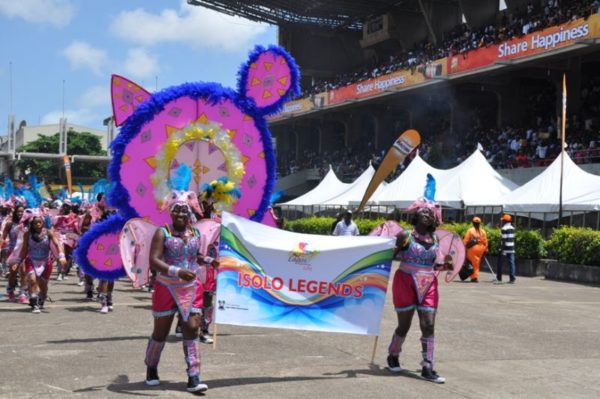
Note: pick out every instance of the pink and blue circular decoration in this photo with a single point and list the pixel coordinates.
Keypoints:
(215, 130)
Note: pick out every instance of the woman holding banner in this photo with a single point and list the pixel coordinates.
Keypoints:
(175, 256)
(415, 285)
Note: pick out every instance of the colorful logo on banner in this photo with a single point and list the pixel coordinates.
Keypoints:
(343, 290)
(301, 254)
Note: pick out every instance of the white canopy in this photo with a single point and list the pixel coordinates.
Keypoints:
(328, 188)
(356, 190)
(581, 190)
(410, 185)
(473, 183)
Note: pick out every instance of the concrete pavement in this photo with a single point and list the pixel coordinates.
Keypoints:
(534, 339)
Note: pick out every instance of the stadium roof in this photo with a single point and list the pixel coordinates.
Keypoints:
(342, 14)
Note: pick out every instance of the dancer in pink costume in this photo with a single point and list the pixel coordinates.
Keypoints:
(65, 225)
(11, 231)
(35, 253)
(415, 285)
(175, 256)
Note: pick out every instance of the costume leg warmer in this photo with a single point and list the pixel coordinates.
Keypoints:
(428, 347)
(192, 357)
(396, 345)
(153, 351)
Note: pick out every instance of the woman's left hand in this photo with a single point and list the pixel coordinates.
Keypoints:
(215, 263)
(448, 263)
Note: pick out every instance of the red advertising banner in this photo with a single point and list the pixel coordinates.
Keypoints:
(527, 45)
(395, 80)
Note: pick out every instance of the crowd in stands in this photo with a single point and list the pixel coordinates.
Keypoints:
(463, 39)
(534, 142)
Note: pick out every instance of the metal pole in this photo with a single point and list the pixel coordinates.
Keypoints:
(10, 87)
(562, 152)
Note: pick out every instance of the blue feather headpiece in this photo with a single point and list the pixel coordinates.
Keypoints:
(430, 188)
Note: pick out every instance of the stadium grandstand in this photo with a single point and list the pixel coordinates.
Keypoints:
(463, 73)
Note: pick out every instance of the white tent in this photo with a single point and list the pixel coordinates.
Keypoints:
(328, 188)
(410, 185)
(581, 191)
(355, 192)
(473, 183)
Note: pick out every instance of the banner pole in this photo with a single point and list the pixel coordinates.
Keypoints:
(214, 345)
(374, 349)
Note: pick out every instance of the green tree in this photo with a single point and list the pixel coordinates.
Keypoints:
(78, 143)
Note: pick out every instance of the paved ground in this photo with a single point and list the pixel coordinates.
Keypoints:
(535, 339)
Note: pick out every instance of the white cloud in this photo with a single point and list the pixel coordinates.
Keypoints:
(83, 116)
(83, 55)
(140, 64)
(52, 12)
(95, 96)
(197, 27)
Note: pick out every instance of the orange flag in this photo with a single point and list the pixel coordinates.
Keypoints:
(403, 146)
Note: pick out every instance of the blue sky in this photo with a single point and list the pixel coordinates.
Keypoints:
(83, 42)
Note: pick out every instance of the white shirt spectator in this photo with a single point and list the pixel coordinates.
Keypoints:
(515, 145)
(541, 151)
(343, 229)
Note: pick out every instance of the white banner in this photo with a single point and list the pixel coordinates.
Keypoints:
(274, 278)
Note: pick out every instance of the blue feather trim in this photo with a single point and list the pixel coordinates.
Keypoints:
(113, 224)
(293, 91)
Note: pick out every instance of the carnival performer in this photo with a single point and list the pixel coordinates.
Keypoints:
(476, 243)
(4, 215)
(415, 285)
(12, 229)
(105, 287)
(65, 224)
(35, 253)
(175, 255)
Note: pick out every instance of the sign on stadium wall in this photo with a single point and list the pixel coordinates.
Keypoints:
(301, 106)
(534, 43)
(394, 80)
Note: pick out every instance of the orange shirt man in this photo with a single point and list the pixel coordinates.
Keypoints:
(476, 242)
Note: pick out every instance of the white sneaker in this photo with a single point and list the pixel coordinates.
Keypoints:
(80, 283)
(110, 308)
(205, 338)
(104, 309)
(36, 309)
(59, 277)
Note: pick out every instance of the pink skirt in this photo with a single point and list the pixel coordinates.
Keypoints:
(411, 292)
(173, 295)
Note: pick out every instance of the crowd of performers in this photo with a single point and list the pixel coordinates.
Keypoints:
(39, 235)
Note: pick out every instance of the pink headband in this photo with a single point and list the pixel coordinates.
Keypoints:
(183, 198)
(425, 203)
(31, 213)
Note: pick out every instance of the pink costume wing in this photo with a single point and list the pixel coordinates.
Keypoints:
(269, 218)
(135, 240)
(4, 222)
(126, 97)
(389, 228)
(450, 244)
(15, 256)
(210, 233)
